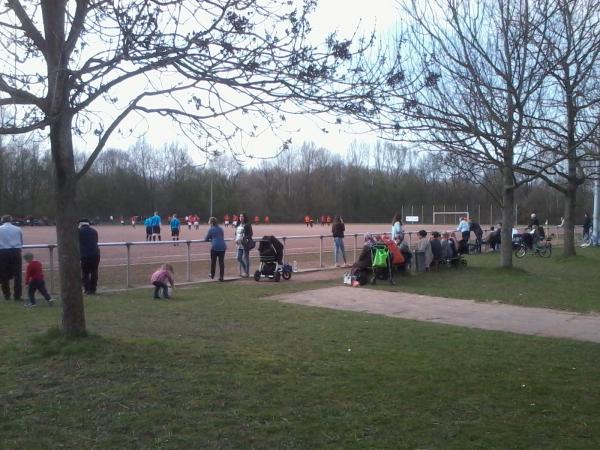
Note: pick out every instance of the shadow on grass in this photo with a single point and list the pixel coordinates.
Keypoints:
(220, 368)
(53, 342)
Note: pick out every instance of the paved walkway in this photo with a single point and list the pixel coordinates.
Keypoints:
(465, 313)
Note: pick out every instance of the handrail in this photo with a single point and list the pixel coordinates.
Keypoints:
(129, 244)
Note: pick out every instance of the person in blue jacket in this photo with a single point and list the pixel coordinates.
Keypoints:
(155, 223)
(218, 246)
(175, 226)
(148, 226)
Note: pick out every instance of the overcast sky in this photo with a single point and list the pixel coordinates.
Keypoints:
(343, 16)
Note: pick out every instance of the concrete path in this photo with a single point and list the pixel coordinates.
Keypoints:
(465, 313)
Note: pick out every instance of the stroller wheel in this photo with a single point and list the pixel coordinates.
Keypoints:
(257, 275)
(286, 275)
(277, 276)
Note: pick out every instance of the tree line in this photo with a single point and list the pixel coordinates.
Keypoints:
(368, 184)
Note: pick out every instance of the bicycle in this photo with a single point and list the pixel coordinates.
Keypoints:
(586, 239)
(543, 249)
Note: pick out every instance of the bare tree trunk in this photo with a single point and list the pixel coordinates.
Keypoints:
(508, 208)
(73, 318)
(570, 196)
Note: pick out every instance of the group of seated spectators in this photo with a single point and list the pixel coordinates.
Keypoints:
(440, 247)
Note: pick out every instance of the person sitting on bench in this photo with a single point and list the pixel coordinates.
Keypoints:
(436, 246)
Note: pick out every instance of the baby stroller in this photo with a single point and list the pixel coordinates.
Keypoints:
(381, 263)
(270, 251)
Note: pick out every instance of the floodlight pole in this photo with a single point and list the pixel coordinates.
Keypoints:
(211, 193)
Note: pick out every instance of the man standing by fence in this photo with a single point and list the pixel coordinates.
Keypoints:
(11, 243)
(465, 230)
(90, 256)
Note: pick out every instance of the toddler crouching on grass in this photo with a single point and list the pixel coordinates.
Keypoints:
(34, 279)
(160, 278)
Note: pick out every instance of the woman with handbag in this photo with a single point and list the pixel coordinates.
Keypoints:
(243, 239)
(337, 231)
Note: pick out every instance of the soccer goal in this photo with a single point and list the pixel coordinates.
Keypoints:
(449, 216)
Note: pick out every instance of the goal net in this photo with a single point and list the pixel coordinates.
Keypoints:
(452, 217)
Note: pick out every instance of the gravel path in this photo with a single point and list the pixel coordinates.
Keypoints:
(465, 313)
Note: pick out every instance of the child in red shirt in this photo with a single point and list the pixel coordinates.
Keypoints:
(34, 278)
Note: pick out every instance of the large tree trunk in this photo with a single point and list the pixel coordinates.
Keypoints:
(508, 208)
(73, 320)
(569, 225)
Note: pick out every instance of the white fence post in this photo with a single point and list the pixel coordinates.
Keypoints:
(189, 260)
(320, 251)
(127, 281)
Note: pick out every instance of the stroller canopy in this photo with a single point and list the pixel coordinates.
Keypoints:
(271, 247)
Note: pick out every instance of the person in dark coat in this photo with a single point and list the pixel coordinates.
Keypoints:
(337, 230)
(90, 256)
(533, 221)
(436, 246)
(475, 228)
(587, 227)
(494, 238)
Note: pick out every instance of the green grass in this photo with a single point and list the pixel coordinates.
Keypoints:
(557, 282)
(221, 367)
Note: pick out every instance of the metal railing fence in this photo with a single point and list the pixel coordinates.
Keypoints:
(310, 257)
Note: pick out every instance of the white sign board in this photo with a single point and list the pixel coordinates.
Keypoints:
(412, 219)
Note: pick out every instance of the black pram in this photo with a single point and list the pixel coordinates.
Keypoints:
(270, 251)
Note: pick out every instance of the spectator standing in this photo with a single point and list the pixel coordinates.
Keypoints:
(243, 233)
(494, 238)
(11, 243)
(256, 220)
(90, 256)
(465, 230)
(478, 232)
(267, 220)
(217, 248)
(175, 227)
(587, 228)
(226, 220)
(337, 230)
(397, 229)
(34, 279)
